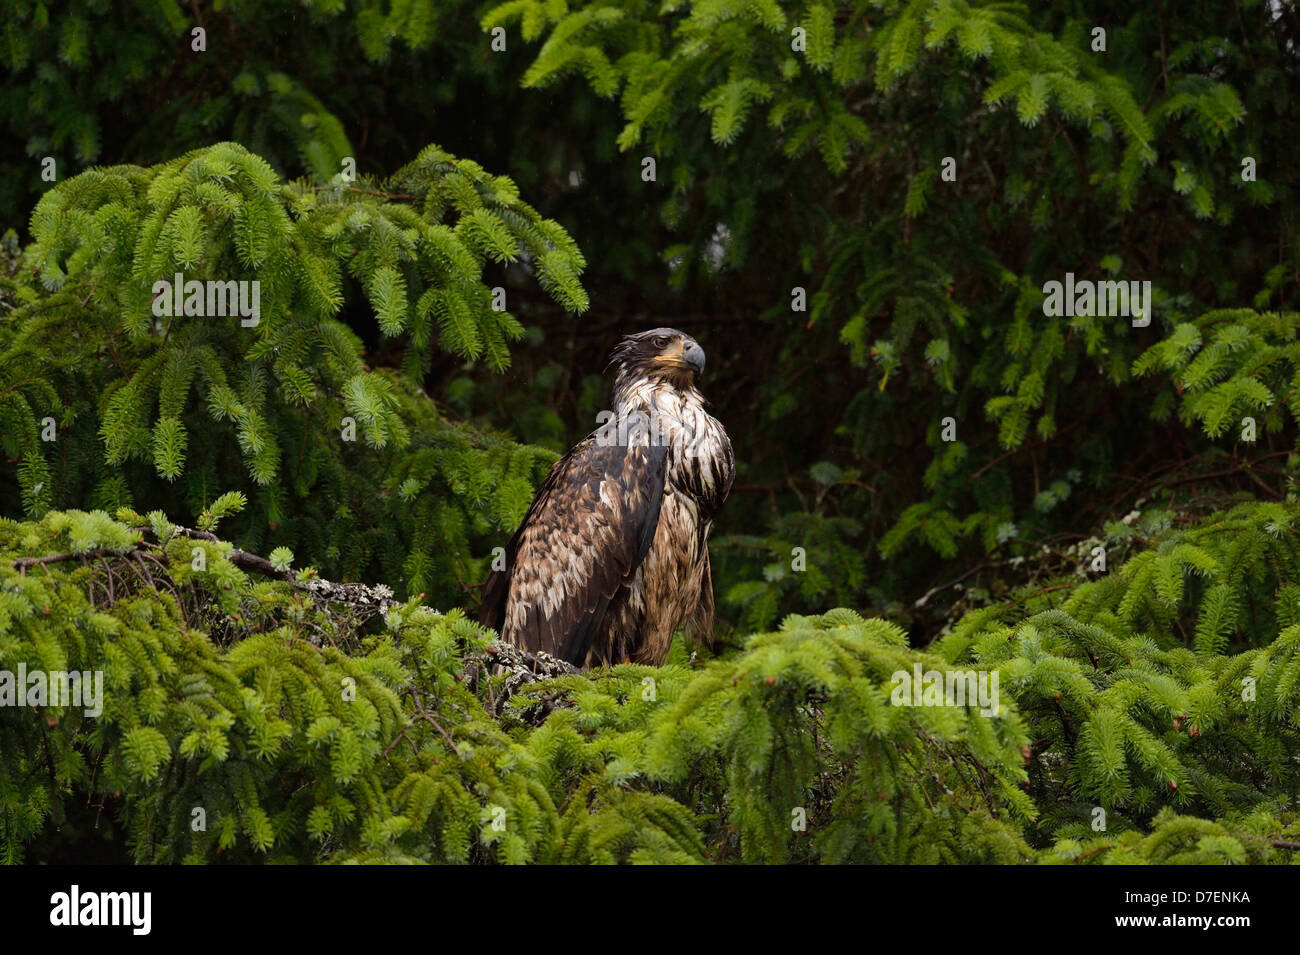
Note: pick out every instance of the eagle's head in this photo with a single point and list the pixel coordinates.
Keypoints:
(664, 354)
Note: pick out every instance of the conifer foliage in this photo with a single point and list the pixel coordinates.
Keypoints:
(247, 718)
(286, 392)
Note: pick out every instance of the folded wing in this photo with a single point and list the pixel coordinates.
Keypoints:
(579, 545)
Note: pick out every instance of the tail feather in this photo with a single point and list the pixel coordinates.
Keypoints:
(699, 624)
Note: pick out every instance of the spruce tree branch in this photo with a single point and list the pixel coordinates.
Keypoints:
(425, 715)
(369, 601)
(1093, 852)
(240, 558)
(22, 563)
(1034, 445)
(370, 192)
(1243, 467)
(952, 583)
(520, 665)
(540, 663)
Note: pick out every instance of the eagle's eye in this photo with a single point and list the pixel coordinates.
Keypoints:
(660, 341)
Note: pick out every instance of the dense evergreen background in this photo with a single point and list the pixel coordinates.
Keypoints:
(1163, 688)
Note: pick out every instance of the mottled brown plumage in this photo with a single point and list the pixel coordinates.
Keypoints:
(612, 555)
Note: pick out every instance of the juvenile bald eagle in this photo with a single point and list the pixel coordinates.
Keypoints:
(612, 555)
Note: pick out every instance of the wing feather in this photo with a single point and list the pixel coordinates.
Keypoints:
(581, 542)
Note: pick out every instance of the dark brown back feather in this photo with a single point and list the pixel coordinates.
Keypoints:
(551, 547)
